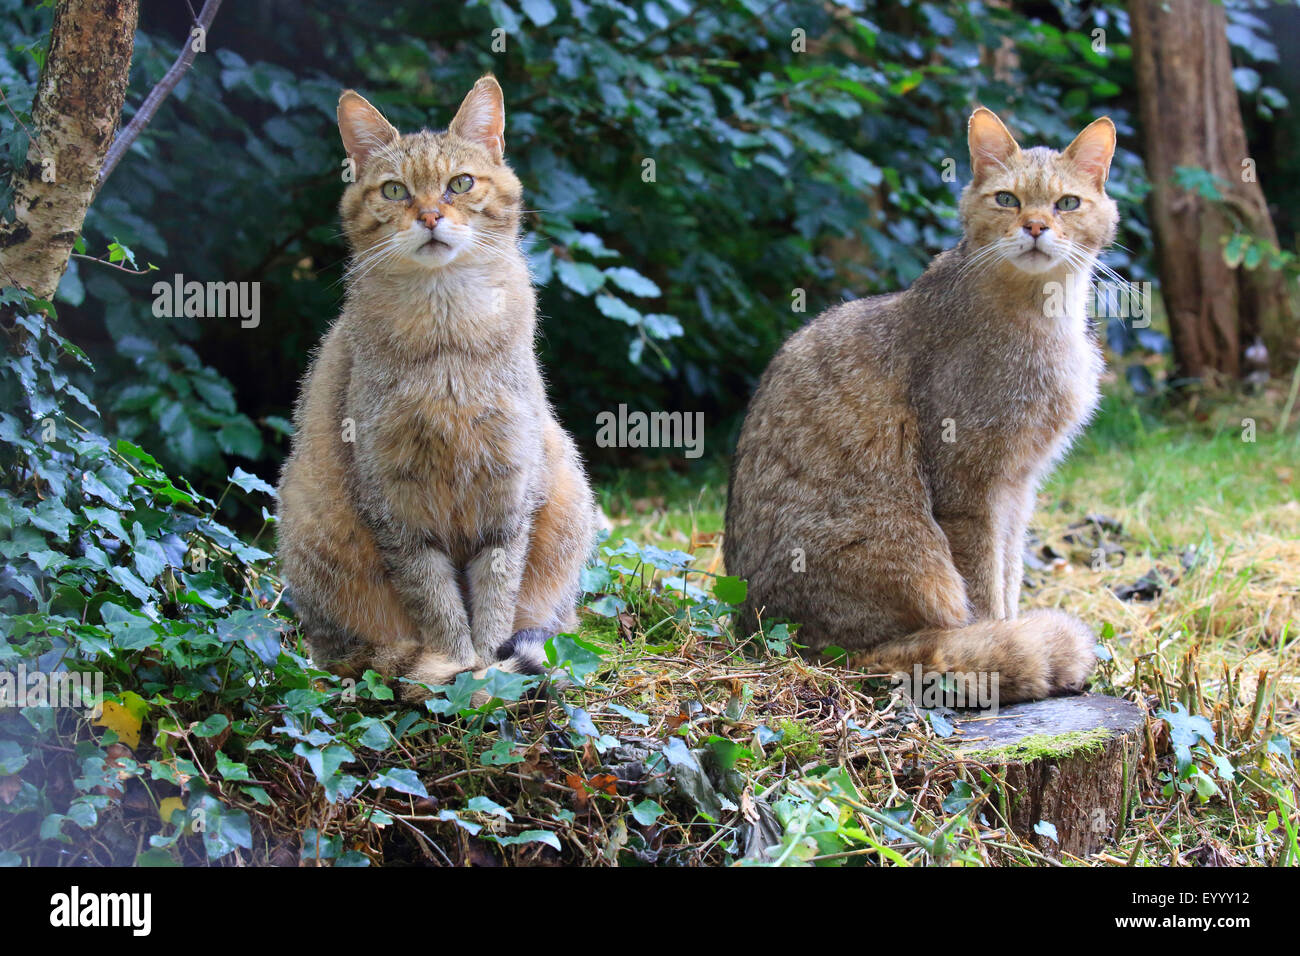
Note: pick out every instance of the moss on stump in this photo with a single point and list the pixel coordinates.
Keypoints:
(1071, 762)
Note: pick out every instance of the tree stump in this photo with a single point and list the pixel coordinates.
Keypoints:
(1068, 764)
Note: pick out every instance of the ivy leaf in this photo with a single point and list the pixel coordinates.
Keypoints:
(647, 812)
(402, 780)
(1185, 730)
(571, 651)
(489, 806)
(224, 829)
(212, 726)
(529, 836)
(231, 769)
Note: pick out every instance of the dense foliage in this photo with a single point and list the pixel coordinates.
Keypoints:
(794, 146)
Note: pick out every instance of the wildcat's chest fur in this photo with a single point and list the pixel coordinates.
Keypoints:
(1007, 403)
(450, 451)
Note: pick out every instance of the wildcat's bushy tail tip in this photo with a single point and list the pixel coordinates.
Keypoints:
(1039, 654)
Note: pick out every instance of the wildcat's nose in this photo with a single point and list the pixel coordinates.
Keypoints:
(429, 217)
(1035, 227)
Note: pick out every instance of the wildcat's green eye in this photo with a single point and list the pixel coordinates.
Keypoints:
(1006, 199)
(1067, 203)
(461, 184)
(394, 190)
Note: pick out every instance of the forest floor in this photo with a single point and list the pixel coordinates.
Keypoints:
(1174, 533)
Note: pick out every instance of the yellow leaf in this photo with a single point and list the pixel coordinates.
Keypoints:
(120, 719)
(169, 806)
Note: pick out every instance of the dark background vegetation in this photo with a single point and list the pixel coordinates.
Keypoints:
(775, 170)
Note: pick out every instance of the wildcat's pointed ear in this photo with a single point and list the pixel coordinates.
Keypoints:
(1092, 150)
(991, 146)
(363, 127)
(482, 117)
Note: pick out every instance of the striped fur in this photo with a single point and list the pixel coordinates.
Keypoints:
(887, 468)
(434, 516)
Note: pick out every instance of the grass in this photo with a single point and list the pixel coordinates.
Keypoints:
(1202, 495)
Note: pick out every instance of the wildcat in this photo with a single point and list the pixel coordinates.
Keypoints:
(434, 516)
(890, 458)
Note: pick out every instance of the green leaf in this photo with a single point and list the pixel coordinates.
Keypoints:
(541, 12)
(212, 726)
(489, 806)
(224, 829)
(230, 769)
(582, 277)
(616, 308)
(730, 590)
(400, 779)
(248, 482)
(638, 718)
(529, 836)
(12, 758)
(647, 812)
(629, 280)
(571, 651)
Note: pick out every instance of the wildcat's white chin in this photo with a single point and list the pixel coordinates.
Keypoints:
(1036, 256)
(434, 249)
(1036, 261)
(436, 254)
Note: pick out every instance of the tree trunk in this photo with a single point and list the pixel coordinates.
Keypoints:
(1069, 768)
(1191, 117)
(74, 116)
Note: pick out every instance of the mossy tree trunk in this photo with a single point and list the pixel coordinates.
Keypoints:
(74, 116)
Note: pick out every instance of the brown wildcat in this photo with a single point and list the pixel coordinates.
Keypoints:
(890, 459)
(434, 516)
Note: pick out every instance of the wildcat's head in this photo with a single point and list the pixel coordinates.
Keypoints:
(1037, 210)
(425, 200)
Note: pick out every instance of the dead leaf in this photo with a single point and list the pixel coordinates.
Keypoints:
(123, 720)
(579, 788)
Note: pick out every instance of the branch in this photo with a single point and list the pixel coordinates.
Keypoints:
(156, 96)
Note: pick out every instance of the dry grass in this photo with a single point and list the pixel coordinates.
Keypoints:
(1215, 515)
